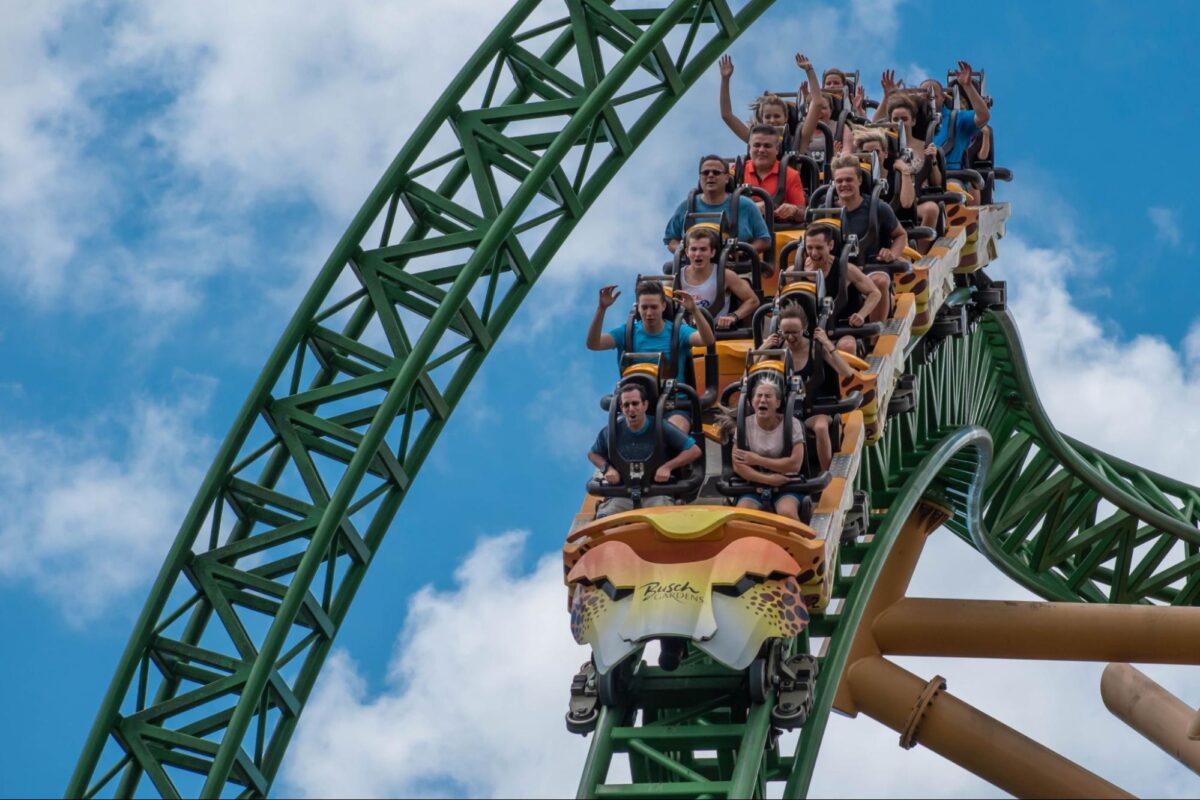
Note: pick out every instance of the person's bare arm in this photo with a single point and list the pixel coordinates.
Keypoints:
(833, 357)
(870, 292)
(908, 192)
(982, 112)
(888, 83)
(811, 117)
(663, 473)
(739, 288)
(611, 475)
(725, 65)
(777, 467)
(704, 336)
(597, 339)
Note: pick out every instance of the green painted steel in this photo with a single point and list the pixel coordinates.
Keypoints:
(383, 346)
(1065, 520)
(385, 343)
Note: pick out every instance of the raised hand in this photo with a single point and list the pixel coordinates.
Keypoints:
(802, 62)
(888, 82)
(609, 295)
(725, 65)
(804, 90)
(963, 77)
(686, 299)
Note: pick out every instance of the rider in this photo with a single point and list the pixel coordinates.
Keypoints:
(762, 170)
(651, 332)
(634, 439)
(867, 292)
(790, 334)
(699, 279)
(715, 197)
(764, 462)
(847, 182)
(967, 123)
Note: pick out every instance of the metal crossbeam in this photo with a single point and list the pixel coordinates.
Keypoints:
(379, 353)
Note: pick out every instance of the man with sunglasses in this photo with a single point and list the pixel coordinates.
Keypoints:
(714, 197)
(634, 440)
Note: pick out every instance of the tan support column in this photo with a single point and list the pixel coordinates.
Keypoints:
(1037, 630)
(923, 714)
(1150, 710)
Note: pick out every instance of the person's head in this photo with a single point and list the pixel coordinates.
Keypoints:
(764, 146)
(819, 242)
(701, 244)
(767, 397)
(902, 110)
(871, 140)
(793, 326)
(833, 80)
(651, 303)
(771, 109)
(714, 175)
(939, 92)
(847, 181)
(633, 403)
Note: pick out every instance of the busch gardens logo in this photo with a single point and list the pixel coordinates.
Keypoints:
(679, 592)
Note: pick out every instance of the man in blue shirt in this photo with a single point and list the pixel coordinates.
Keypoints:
(634, 440)
(966, 123)
(652, 333)
(714, 197)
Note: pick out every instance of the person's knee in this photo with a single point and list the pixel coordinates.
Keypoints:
(788, 507)
(847, 345)
(881, 280)
(747, 502)
(819, 424)
(680, 421)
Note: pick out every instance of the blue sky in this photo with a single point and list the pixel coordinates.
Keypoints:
(173, 174)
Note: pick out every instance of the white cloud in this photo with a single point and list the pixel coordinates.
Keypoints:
(89, 514)
(475, 696)
(1166, 224)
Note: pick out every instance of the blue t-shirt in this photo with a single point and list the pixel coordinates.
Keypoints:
(656, 342)
(750, 222)
(639, 445)
(964, 130)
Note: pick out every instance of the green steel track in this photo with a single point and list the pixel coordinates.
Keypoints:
(1062, 519)
(268, 559)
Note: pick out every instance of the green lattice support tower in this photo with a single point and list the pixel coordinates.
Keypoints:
(383, 346)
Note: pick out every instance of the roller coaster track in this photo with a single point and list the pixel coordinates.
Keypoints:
(383, 346)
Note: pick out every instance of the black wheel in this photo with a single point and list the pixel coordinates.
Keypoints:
(787, 718)
(900, 405)
(990, 298)
(947, 326)
(610, 687)
(583, 724)
(757, 677)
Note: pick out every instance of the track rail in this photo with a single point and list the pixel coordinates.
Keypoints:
(383, 346)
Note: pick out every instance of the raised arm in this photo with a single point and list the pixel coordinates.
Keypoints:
(704, 336)
(725, 65)
(816, 96)
(597, 339)
(982, 112)
(908, 192)
(888, 83)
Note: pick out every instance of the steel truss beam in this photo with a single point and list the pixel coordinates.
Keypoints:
(382, 348)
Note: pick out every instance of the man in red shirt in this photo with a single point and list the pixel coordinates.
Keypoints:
(762, 170)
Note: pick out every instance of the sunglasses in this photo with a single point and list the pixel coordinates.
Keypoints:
(712, 172)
